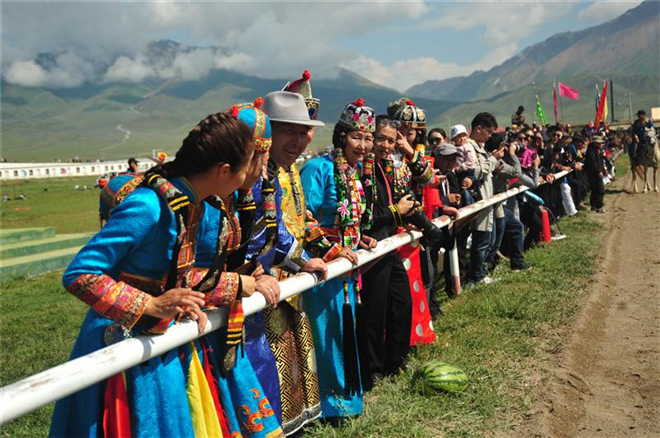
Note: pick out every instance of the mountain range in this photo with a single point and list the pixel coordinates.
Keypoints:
(116, 120)
(624, 46)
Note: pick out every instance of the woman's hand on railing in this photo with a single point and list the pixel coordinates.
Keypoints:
(348, 254)
(197, 314)
(269, 287)
(173, 301)
(316, 265)
(248, 285)
(451, 212)
(367, 242)
(179, 301)
(258, 271)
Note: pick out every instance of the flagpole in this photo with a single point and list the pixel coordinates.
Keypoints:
(630, 106)
(561, 106)
(611, 101)
(534, 90)
(554, 99)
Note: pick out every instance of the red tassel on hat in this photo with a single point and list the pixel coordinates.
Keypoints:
(259, 102)
(234, 111)
(358, 103)
(294, 86)
(410, 102)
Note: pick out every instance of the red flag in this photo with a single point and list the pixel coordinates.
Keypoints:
(554, 101)
(566, 91)
(601, 106)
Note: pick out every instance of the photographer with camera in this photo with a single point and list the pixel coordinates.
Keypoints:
(483, 126)
(508, 232)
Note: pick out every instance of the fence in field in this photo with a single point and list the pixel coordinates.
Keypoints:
(33, 392)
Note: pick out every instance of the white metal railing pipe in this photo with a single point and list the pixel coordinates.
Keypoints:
(40, 389)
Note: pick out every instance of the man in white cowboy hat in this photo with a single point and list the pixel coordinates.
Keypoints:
(293, 119)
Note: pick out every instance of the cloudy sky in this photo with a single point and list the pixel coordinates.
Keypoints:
(397, 44)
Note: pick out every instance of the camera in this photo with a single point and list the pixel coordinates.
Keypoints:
(417, 218)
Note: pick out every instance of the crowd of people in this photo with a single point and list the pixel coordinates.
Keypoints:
(232, 215)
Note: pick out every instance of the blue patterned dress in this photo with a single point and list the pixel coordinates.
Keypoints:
(115, 273)
(324, 302)
(283, 250)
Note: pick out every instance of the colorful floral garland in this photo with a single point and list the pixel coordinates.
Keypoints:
(348, 217)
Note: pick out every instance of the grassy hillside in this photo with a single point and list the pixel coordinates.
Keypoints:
(118, 121)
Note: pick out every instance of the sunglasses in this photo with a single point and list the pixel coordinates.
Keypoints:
(389, 122)
(435, 140)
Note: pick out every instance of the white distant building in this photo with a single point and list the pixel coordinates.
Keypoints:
(10, 171)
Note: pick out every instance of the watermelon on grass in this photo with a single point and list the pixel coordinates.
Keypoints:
(435, 376)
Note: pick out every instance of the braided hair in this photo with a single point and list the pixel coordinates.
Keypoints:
(219, 138)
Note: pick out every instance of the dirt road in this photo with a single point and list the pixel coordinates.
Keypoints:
(606, 380)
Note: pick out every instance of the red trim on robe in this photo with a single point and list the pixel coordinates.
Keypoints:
(421, 331)
(222, 417)
(116, 418)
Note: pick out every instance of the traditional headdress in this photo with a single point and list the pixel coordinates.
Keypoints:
(405, 111)
(304, 87)
(257, 121)
(358, 117)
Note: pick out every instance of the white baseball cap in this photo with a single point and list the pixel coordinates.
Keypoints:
(457, 130)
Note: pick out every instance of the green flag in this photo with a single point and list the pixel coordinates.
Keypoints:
(539, 111)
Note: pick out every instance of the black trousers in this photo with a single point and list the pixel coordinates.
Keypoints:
(597, 191)
(388, 306)
(531, 217)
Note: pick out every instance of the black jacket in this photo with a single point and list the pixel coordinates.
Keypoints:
(593, 163)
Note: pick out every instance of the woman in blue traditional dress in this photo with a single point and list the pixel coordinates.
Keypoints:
(250, 389)
(136, 274)
(335, 197)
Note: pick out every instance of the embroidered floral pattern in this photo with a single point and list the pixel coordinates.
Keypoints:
(114, 300)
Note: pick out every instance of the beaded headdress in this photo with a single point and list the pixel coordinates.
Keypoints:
(405, 111)
(257, 121)
(358, 117)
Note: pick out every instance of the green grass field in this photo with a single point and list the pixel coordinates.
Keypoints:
(51, 202)
(494, 333)
(39, 325)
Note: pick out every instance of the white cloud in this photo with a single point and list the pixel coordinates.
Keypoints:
(26, 74)
(237, 61)
(504, 22)
(67, 70)
(265, 39)
(403, 74)
(601, 11)
(126, 69)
